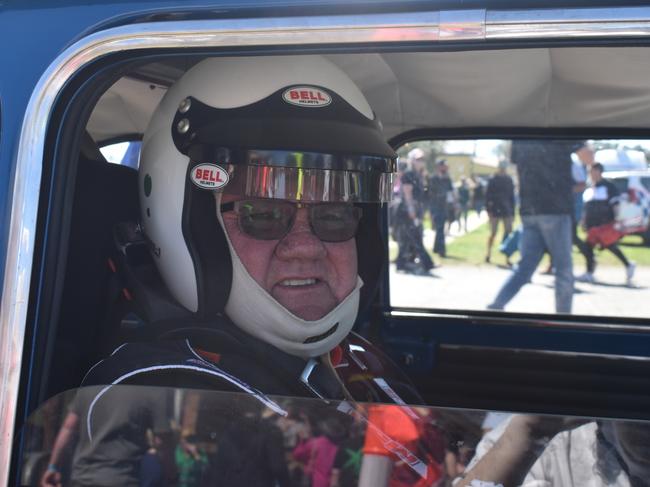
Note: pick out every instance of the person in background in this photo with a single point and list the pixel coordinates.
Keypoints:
(457, 457)
(463, 203)
(191, 461)
(440, 194)
(250, 449)
(546, 193)
(600, 200)
(582, 158)
(396, 218)
(319, 452)
(453, 209)
(478, 195)
(534, 451)
(419, 460)
(347, 464)
(500, 204)
(412, 256)
(107, 430)
(157, 467)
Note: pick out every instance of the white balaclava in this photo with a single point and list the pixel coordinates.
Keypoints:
(256, 312)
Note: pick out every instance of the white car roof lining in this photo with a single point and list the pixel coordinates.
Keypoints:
(541, 87)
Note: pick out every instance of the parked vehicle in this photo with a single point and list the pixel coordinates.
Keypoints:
(622, 159)
(634, 209)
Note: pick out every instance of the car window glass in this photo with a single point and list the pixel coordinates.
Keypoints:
(195, 437)
(523, 226)
(123, 153)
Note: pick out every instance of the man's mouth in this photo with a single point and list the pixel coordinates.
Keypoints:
(298, 282)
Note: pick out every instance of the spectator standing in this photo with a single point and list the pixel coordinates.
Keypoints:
(463, 203)
(421, 448)
(453, 209)
(294, 427)
(157, 467)
(500, 204)
(318, 453)
(347, 463)
(478, 195)
(440, 194)
(109, 429)
(191, 462)
(412, 256)
(599, 203)
(249, 450)
(582, 158)
(152, 470)
(546, 192)
(396, 218)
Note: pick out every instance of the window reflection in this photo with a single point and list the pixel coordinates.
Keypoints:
(181, 437)
(538, 226)
(531, 450)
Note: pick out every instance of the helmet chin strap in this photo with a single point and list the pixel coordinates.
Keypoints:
(256, 312)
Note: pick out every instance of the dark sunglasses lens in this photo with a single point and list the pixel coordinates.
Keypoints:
(265, 220)
(334, 222)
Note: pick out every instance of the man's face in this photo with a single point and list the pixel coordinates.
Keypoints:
(442, 169)
(307, 276)
(418, 164)
(595, 174)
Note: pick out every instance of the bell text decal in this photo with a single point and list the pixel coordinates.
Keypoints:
(307, 96)
(209, 176)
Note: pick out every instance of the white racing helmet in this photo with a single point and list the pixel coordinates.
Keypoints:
(285, 127)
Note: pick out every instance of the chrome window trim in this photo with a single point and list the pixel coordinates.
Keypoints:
(477, 25)
(567, 23)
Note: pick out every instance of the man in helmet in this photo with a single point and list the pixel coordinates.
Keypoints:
(260, 185)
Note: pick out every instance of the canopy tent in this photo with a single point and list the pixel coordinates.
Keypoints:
(545, 87)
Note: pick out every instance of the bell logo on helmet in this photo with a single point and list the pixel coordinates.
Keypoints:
(307, 96)
(209, 176)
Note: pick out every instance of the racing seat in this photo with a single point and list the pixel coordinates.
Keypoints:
(104, 194)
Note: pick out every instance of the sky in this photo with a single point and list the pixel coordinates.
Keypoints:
(486, 151)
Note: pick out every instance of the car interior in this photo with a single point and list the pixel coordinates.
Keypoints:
(539, 362)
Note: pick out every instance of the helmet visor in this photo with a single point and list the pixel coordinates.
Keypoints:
(272, 149)
(308, 185)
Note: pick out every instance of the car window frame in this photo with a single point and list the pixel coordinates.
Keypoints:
(586, 322)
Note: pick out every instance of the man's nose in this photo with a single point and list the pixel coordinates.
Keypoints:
(300, 242)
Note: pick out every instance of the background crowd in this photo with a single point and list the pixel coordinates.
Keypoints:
(562, 197)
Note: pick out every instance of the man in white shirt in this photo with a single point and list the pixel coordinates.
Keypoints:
(593, 454)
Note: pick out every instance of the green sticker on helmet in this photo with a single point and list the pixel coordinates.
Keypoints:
(147, 185)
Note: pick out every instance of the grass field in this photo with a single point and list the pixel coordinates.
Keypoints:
(470, 249)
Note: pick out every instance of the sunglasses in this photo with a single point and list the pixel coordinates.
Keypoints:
(268, 219)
